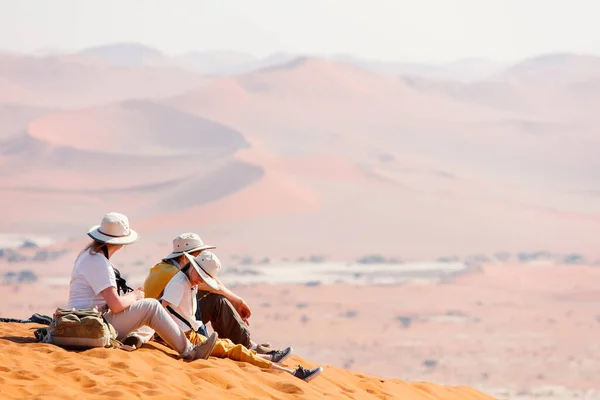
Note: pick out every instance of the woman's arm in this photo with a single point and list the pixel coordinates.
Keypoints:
(118, 303)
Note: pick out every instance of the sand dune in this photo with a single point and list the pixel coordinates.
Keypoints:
(116, 129)
(216, 62)
(14, 119)
(154, 372)
(125, 55)
(423, 143)
(192, 165)
(330, 92)
(299, 154)
(225, 62)
(514, 331)
(73, 82)
(554, 69)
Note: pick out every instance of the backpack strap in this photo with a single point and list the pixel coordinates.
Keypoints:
(176, 314)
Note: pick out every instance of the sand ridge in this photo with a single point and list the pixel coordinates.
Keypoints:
(36, 370)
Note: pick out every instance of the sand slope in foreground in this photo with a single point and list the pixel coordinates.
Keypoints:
(35, 370)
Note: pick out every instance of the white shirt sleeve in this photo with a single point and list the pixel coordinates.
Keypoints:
(173, 292)
(99, 274)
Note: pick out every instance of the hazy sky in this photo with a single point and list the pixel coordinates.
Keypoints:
(417, 30)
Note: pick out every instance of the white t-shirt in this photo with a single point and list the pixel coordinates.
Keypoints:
(181, 296)
(92, 273)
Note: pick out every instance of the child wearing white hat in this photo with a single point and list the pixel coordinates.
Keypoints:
(179, 299)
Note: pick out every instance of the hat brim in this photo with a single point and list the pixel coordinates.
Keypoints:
(176, 254)
(210, 281)
(95, 234)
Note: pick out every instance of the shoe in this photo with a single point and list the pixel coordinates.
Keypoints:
(133, 341)
(279, 356)
(263, 348)
(307, 374)
(41, 319)
(203, 350)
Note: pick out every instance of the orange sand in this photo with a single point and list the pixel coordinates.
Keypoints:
(35, 370)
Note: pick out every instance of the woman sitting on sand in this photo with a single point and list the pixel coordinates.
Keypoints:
(179, 299)
(94, 284)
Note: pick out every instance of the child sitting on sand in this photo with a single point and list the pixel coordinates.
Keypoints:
(179, 299)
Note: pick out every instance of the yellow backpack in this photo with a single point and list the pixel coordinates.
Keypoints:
(158, 278)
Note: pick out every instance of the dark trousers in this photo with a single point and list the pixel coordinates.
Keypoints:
(223, 317)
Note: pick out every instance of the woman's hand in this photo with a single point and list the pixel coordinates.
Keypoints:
(115, 302)
(118, 303)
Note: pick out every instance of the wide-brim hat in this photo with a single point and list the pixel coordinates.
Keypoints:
(114, 229)
(203, 274)
(188, 243)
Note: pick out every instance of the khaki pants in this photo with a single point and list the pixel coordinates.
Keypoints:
(149, 312)
(225, 348)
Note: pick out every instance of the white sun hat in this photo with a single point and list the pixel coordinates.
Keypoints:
(187, 242)
(208, 266)
(114, 229)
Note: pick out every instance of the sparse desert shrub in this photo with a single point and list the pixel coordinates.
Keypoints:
(371, 259)
(533, 256)
(404, 320)
(247, 260)
(350, 314)
(502, 256)
(304, 319)
(313, 283)
(301, 305)
(574, 259)
(48, 255)
(316, 259)
(448, 259)
(478, 258)
(27, 276)
(13, 257)
(28, 244)
(9, 278)
(524, 257)
(41, 256)
(430, 363)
